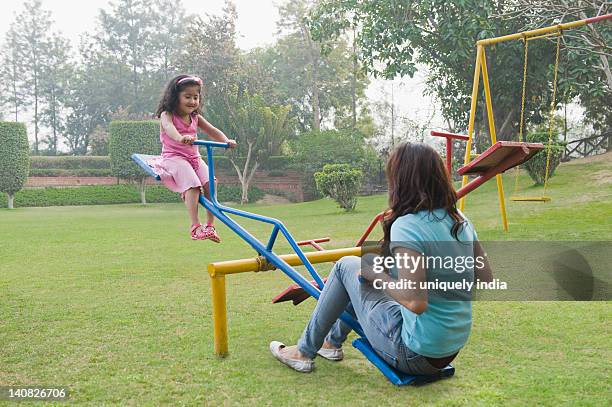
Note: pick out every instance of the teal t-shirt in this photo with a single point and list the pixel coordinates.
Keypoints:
(445, 325)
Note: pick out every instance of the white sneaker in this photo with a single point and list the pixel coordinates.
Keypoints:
(331, 354)
(304, 366)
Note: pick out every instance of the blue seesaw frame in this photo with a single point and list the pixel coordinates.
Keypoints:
(219, 211)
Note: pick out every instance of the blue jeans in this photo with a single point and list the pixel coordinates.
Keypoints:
(378, 314)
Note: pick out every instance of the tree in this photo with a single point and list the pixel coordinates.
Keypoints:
(31, 28)
(125, 36)
(340, 94)
(292, 18)
(56, 73)
(169, 19)
(210, 51)
(14, 158)
(11, 85)
(584, 71)
(88, 105)
(127, 138)
(259, 131)
(393, 37)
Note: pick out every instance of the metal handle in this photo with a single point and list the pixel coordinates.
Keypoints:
(210, 144)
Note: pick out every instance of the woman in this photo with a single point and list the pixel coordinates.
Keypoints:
(414, 330)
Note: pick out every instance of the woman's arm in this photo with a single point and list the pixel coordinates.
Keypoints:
(413, 298)
(167, 125)
(214, 132)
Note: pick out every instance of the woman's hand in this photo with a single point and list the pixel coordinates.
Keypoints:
(367, 271)
(186, 139)
(232, 143)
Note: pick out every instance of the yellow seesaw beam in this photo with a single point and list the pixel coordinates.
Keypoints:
(261, 264)
(219, 270)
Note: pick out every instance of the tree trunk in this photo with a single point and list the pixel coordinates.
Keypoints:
(243, 174)
(505, 124)
(54, 122)
(354, 87)
(142, 185)
(11, 198)
(314, 63)
(35, 109)
(244, 198)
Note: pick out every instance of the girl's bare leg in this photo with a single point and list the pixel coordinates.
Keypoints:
(210, 218)
(191, 202)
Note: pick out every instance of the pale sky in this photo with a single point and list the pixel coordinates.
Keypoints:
(256, 26)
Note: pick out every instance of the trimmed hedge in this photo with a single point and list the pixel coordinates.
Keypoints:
(60, 172)
(14, 157)
(71, 162)
(111, 194)
(127, 138)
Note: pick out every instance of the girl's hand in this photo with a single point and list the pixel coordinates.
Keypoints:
(187, 139)
(232, 143)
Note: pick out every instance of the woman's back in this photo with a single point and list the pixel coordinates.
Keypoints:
(444, 327)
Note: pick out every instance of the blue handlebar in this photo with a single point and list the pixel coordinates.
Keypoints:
(210, 144)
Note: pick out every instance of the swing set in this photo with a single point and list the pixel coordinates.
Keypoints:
(481, 69)
(498, 158)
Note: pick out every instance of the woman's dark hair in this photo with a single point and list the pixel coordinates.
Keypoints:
(170, 98)
(418, 180)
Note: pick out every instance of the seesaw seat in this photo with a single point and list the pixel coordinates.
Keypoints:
(500, 157)
(294, 293)
(396, 377)
(143, 160)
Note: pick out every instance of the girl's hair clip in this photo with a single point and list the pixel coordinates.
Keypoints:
(190, 79)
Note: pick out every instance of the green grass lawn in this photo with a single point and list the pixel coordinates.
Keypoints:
(114, 303)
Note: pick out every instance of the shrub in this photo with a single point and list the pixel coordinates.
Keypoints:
(127, 138)
(14, 158)
(60, 172)
(111, 194)
(341, 183)
(314, 149)
(71, 162)
(234, 193)
(276, 163)
(98, 141)
(536, 166)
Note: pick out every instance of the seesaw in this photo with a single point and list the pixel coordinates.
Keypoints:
(498, 158)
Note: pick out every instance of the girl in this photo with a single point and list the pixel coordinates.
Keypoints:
(412, 330)
(181, 167)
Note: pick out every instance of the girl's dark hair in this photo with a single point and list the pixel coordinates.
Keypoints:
(418, 180)
(170, 98)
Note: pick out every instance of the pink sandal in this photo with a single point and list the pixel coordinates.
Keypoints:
(211, 233)
(201, 232)
(197, 232)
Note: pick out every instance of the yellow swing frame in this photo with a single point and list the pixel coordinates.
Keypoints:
(481, 69)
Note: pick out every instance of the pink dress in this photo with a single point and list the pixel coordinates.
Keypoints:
(180, 166)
